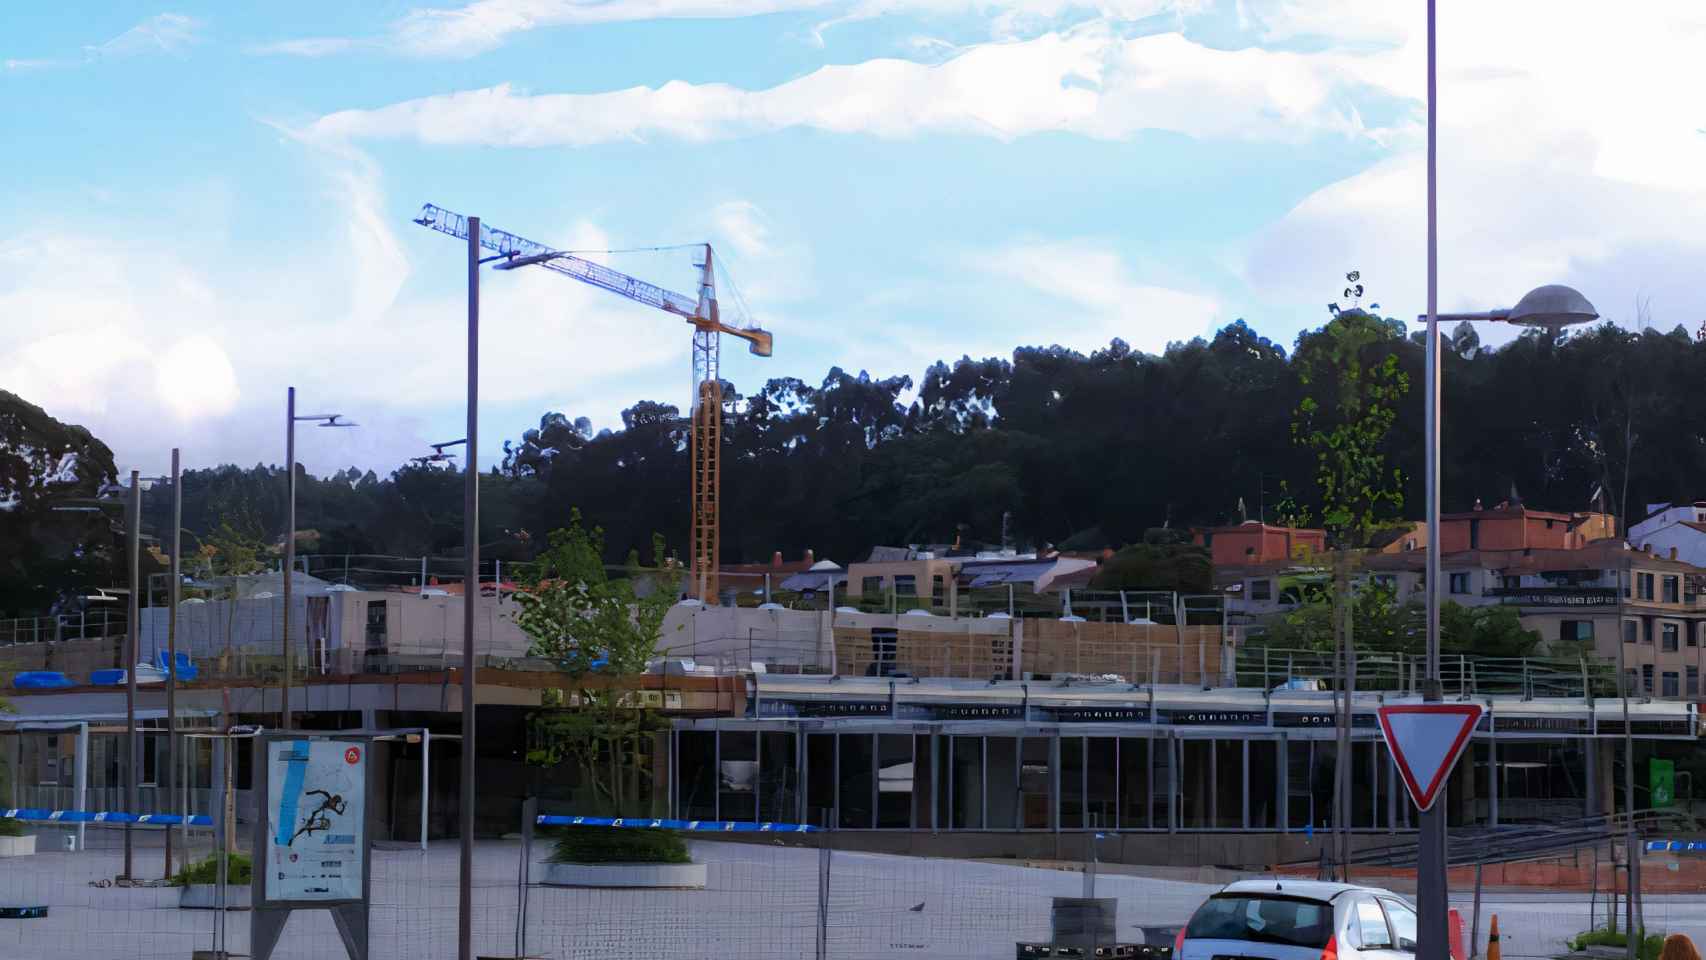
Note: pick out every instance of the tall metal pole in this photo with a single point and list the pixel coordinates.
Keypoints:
(470, 597)
(289, 547)
(1431, 898)
(133, 549)
(1631, 842)
(172, 652)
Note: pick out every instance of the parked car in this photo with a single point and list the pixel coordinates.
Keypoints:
(1280, 919)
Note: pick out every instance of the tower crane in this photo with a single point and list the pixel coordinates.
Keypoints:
(706, 421)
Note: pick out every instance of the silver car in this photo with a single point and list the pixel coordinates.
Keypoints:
(1280, 919)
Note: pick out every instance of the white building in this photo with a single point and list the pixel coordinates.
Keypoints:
(1672, 530)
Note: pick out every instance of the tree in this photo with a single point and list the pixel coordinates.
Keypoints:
(1352, 383)
(600, 632)
(1155, 566)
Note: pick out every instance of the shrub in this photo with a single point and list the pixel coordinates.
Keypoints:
(618, 845)
(1650, 946)
(239, 871)
(11, 828)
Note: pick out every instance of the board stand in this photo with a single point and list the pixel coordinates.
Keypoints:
(268, 915)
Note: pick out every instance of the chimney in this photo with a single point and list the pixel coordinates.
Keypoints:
(1673, 553)
(1477, 504)
(809, 559)
(776, 559)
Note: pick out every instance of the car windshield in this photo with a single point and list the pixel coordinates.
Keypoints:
(1263, 919)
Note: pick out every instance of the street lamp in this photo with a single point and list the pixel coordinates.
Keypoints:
(291, 418)
(1552, 308)
(438, 455)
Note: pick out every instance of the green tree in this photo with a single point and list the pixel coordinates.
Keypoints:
(1156, 566)
(600, 632)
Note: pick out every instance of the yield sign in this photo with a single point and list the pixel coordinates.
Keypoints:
(1426, 739)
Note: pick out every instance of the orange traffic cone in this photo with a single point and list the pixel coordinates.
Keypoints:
(1493, 939)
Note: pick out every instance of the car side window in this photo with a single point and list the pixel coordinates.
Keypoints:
(1370, 926)
(1403, 923)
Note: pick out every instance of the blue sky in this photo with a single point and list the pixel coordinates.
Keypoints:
(211, 201)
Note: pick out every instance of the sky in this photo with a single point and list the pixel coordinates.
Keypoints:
(212, 201)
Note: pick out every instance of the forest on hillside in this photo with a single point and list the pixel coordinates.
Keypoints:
(1050, 446)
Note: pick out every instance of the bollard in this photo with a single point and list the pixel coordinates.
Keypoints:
(1493, 939)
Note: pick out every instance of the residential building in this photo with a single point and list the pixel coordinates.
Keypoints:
(1678, 530)
(1512, 526)
(1253, 542)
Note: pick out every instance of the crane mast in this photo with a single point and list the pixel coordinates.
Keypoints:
(705, 416)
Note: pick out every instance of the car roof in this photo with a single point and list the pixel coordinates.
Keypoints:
(1311, 889)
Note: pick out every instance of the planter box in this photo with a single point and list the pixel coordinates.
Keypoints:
(17, 846)
(681, 876)
(201, 896)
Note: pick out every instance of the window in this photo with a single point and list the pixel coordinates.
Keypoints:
(1511, 583)
(1460, 582)
(1575, 631)
(1670, 685)
(1644, 586)
(1690, 637)
(1277, 919)
(376, 629)
(1629, 683)
(1671, 594)
(1370, 927)
(1474, 534)
(1646, 629)
(1261, 589)
(1403, 923)
(1628, 631)
(1693, 681)
(47, 762)
(1624, 581)
(882, 651)
(871, 586)
(906, 585)
(1647, 678)
(1668, 643)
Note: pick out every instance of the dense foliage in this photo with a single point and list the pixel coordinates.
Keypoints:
(617, 845)
(1050, 445)
(239, 871)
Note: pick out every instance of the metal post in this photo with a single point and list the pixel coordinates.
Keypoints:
(133, 548)
(81, 779)
(1630, 840)
(1431, 896)
(470, 596)
(426, 780)
(172, 652)
(289, 546)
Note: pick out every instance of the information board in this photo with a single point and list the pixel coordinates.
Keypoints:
(316, 820)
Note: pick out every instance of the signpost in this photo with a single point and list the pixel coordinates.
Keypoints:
(311, 841)
(1426, 739)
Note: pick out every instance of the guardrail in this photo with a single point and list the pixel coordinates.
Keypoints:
(99, 624)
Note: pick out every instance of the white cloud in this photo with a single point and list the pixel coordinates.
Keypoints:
(170, 33)
(311, 47)
(1088, 80)
(1550, 168)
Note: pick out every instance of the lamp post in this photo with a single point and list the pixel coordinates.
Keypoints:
(290, 420)
(470, 596)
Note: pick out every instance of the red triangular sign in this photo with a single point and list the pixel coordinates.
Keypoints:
(1426, 739)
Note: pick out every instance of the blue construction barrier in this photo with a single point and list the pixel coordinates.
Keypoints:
(31, 815)
(696, 826)
(1676, 846)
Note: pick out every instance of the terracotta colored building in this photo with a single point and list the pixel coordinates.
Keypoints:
(1253, 542)
(1516, 527)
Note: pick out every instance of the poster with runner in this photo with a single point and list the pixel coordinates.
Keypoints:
(316, 827)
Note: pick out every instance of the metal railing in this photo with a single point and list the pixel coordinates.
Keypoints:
(1463, 675)
(97, 624)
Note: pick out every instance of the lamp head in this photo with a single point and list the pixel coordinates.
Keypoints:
(1554, 307)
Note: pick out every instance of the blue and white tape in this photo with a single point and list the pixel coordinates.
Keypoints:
(1676, 846)
(696, 826)
(34, 815)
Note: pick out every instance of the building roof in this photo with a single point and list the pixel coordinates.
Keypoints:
(1607, 554)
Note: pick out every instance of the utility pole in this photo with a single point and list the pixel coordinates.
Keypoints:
(470, 596)
(1631, 841)
(133, 550)
(1431, 893)
(172, 652)
(289, 547)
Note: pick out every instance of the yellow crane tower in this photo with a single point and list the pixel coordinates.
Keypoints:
(706, 421)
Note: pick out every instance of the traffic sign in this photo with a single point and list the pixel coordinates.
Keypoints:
(1426, 739)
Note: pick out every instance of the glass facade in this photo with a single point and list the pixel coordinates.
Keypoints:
(1053, 780)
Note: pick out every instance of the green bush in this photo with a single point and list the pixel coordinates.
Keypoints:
(239, 872)
(1650, 946)
(617, 845)
(11, 828)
